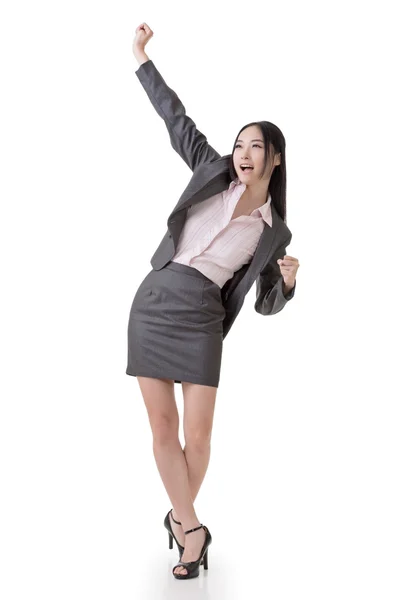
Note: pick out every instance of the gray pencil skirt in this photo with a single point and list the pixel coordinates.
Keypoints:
(175, 326)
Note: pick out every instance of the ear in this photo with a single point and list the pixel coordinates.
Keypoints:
(277, 159)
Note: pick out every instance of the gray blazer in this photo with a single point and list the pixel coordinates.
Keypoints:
(211, 176)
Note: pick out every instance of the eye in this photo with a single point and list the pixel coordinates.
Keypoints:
(238, 145)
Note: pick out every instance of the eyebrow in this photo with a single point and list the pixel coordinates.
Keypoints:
(257, 140)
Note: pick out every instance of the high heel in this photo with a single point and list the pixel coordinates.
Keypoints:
(171, 535)
(193, 567)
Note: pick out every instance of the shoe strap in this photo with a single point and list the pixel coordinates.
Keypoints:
(195, 529)
(177, 522)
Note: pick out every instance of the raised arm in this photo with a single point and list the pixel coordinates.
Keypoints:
(186, 139)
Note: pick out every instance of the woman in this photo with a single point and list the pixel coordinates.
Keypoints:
(227, 230)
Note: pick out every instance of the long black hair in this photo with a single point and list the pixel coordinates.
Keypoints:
(277, 185)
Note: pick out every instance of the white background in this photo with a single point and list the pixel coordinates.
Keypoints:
(302, 491)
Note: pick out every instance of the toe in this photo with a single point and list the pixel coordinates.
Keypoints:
(180, 571)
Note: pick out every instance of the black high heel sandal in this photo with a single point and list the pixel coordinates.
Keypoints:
(193, 567)
(171, 535)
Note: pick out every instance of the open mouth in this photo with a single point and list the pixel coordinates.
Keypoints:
(247, 168)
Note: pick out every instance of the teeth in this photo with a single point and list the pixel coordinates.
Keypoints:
(246, 166)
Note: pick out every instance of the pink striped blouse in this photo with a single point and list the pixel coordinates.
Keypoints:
(213, 243)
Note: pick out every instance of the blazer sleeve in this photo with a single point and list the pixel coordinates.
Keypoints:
(186, 139)
(270, 298)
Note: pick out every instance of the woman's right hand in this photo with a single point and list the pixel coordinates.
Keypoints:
(143, 35)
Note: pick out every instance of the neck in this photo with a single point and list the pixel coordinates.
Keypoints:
(257, 194)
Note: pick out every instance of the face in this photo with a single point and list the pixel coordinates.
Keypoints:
(250, 149)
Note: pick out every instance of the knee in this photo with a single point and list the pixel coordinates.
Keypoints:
(165, 430)
(198, 440)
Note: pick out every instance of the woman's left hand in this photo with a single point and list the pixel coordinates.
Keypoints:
(288, 266)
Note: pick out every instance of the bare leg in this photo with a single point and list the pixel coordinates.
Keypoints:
(199, 404)
(159, 398)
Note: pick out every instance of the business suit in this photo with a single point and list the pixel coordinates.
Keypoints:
(211, 176)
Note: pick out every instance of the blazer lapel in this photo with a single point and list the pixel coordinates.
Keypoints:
(263, 250)
(209, 179)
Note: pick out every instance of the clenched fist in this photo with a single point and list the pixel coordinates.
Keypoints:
(143, 34)
(288, 266)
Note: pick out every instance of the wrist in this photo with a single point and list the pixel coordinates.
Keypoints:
(140, 55)
(287, 287)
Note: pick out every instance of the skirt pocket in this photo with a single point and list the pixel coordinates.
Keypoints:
(181, 298)
(142, 294)
(193, 302)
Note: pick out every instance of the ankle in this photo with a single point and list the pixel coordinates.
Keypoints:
(175, 517)
(192, 524)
